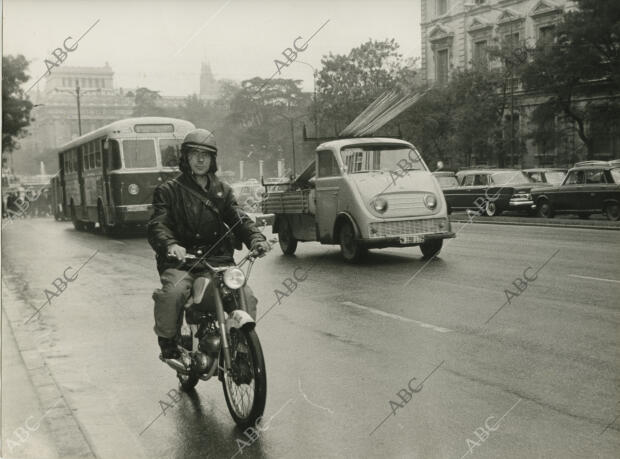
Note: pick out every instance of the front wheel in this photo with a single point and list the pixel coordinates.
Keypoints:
(612, 211)
(545, 210)
(245, 384)
(431, 248)
(491, 210)
(350, 248)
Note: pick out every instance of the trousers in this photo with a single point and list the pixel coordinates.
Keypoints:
(175, 289)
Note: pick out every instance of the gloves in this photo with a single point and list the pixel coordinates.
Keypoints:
(261, 247)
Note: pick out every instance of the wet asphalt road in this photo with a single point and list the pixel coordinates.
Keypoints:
(542, 373)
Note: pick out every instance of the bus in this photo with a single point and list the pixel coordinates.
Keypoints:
(107, 176)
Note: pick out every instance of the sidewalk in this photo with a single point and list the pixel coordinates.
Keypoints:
(23, 435)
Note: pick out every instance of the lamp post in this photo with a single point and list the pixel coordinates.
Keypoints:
(77, 92)
(314, 75)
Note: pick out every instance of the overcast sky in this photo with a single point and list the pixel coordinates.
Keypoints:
(161, 43)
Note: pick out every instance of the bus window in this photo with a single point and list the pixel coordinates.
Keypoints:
(170, 150)
(98, 158)
(114, 155)
(139, 153)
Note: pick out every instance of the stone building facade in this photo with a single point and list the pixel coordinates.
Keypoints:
(456, 34)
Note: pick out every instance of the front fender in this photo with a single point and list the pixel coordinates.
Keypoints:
(239, 319)
(345, 216)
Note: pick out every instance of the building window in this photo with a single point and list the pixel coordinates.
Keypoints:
(441, 65)
(480, 52)
(512, 39)
(546, 34)
(441, 7)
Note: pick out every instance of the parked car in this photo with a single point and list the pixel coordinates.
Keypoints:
(587, 189)
(491, 191)
(552, 176)
(446, 179)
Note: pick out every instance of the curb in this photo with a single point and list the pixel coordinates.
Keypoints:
(65, 430)
(485, 221)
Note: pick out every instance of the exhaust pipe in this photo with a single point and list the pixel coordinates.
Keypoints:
(175, 365)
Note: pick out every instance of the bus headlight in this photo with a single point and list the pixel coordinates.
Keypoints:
(380, 205)
(430, 201)
(133, 189)
(234, 278)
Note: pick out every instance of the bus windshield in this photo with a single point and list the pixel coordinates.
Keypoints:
(139, 153)
(367, 158)
(170, 150)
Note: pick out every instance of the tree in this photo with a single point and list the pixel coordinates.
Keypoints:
(347, 84)
(15, 106)
(582, 61)
(147, 103)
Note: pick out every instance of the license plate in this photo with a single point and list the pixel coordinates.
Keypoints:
(411, 239)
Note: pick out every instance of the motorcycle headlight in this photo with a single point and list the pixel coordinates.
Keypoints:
(380, 205)
(430, 201)
(133, 189)
(234, 278)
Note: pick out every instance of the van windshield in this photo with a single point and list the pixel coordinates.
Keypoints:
(139, 153)
(386, 158)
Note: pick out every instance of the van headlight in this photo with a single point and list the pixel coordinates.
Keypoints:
(133, 189)
(380, 205)
(430, 201)
(234, 278)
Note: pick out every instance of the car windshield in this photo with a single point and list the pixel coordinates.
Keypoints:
(387, 158)
(139, 153)
(509, 178)
(170, 149)
(555, 177)
(447, 181)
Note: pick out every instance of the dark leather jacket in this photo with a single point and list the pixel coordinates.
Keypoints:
(181, 217)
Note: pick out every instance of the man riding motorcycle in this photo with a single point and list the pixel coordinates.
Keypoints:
(194, 213)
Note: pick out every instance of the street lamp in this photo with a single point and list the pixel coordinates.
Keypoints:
(314, 75)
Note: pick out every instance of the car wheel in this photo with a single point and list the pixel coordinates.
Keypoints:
(431, 248)
(612, 211)
(544, 209)
(352, 251)
(491, 210)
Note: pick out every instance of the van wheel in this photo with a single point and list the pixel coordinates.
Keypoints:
(351, 249)
(612, 211)
(287, 241)
(431, 248)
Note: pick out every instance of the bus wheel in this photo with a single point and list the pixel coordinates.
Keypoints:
(77, 224)
(105, 229)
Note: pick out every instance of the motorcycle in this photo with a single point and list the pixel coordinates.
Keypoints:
(223, 342)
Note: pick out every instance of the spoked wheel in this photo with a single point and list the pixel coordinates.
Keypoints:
(245, 385)
(352, 251)
(491, 209)
(287, 241)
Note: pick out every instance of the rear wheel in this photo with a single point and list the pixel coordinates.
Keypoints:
(431, 248)
(350, 248)
(77, 224)
(245, 384)
(544, 209)
(612, 211)
(287, 241)
(491, 209)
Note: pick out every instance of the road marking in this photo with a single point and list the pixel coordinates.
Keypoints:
(594, 278)
(397, 317)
